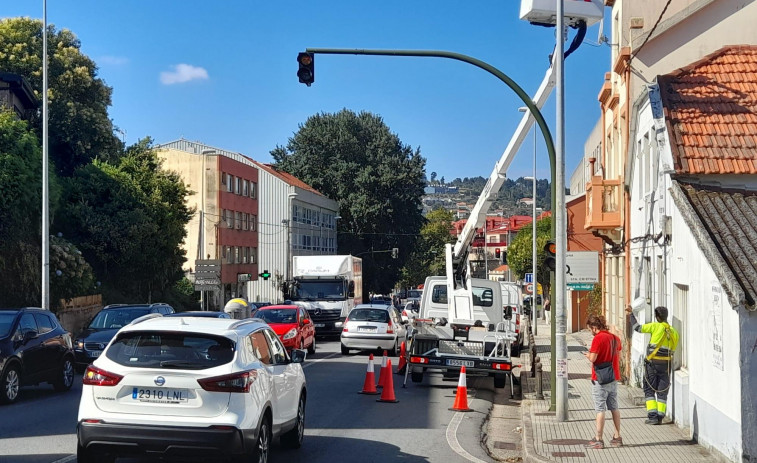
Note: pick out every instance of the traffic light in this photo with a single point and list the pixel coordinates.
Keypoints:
(265, 275)
(549, 259)
(306, 72)
(395, 253)
(500, 255)
(497, 254)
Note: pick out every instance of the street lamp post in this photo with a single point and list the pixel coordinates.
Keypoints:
(535, 292)
(45, 187)
(287, 223)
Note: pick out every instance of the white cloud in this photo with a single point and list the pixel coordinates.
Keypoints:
(183, 73)
(113, 60)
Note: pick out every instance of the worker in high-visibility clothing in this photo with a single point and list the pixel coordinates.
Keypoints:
(657, 365)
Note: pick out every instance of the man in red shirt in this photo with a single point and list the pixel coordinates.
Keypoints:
(604, 349)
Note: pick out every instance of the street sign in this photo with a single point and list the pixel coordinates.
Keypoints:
(582, 267)
(581, 286)
(243, 277)
(207, 275)
(530, 288)
(529, 277)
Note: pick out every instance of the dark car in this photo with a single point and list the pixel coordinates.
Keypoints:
(90, 343)
(199, 313)
(34, 349)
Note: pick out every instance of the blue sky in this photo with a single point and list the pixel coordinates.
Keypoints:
(224, 73)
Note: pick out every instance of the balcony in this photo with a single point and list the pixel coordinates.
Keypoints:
(603, 204)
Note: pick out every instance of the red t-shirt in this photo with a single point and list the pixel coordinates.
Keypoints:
(602, 346)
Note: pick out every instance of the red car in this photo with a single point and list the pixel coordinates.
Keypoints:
(293, 325)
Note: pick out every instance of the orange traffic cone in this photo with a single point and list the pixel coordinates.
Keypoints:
(403, 361)
(384, 372)
(387, 395)
(369, 386)
(461, 399)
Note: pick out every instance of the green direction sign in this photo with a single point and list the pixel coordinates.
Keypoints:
(581, 286)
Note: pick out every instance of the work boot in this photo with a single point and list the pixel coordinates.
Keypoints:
(653, 420)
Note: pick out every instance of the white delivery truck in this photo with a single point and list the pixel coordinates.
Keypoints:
(328, 287)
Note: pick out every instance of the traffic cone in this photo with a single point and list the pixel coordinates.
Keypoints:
(369, 386)
(461, 399)
(384, 372)
(403, 361)
(387, 394)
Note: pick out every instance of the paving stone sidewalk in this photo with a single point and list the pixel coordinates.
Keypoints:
(546, 439)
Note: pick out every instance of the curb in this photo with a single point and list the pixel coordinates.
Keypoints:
(529, 451)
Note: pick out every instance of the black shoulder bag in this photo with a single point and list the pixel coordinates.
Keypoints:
(605, 372)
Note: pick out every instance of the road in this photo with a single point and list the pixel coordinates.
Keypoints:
(341, 425)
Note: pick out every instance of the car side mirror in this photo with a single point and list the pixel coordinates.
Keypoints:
(306, 321)
(298, 356)
(29, 335)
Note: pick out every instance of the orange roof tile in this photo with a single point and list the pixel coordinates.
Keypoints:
(288, 178)
(711, 112)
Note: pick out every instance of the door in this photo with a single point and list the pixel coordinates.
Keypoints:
(307, 327)
(284, 380)
(51, 344)
(31, 352)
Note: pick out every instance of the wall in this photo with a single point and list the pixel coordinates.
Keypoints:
(579, 239)
(76, 313)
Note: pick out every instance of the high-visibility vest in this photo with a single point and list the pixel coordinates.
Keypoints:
(663, 341)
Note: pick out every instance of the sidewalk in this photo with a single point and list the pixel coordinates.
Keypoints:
(546, 439)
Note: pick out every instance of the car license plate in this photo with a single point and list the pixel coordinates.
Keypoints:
(366, 329)
(95, 353)
(460, 363)
(319, 325)
(163, 396)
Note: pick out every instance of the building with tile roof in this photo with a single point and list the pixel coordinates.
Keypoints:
(692, 221)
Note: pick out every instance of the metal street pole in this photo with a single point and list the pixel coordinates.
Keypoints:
(560, 362)
(535, 293)
(486, 254)
(45, 191)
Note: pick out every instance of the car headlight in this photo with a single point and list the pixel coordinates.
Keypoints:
(291, 333)
(79, 344)
(338, 324)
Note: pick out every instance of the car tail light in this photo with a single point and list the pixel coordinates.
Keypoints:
(517, 323)
(404, 313)
(390, 328)
(502, 366)
(346, 320)
(418, 360)
(94, 376)
(235, 382)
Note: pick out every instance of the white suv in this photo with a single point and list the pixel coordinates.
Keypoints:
(181, 387)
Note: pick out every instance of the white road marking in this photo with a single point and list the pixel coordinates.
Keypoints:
(66, 459)
(313, 362)
(453, 442)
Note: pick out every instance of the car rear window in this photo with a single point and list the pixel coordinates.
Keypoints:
(190, 351)
(369, 315)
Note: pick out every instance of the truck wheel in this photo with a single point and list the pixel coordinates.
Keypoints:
(416, 376)
(500, 381)
(345, 351)
(515, 350)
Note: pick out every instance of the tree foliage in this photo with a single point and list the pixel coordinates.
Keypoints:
(129, 219)
(520, 251)
(377, 180)
(427, 257)
(79, 127)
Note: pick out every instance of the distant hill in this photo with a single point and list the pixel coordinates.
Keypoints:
(509, 201)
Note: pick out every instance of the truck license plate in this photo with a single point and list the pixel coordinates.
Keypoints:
(319, 325)
(460, 363)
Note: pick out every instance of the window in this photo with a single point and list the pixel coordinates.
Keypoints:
(316, 243)
(439, 294)
(229, 255)
(245, 221)
(253, 190)
(228, 217)
(239, 220)
(253, 222)
(246, 188)
(237, 254)
(680, 323)
(308, 216)
(230, 183)
(295, 213)
(253, 255)
(278, 351)
(44, 322)
(244, 255)
(260, 347)
(166, 350)
(238, 189)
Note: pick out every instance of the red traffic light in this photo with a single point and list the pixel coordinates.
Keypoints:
(305, 59)
(497, 253)
(306, 71)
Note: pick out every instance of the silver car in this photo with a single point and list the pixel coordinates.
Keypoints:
(370, 327)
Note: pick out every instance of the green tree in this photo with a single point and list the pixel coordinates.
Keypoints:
(79, 127)
(377, 180)
(519, 253)
(428, 255)
(20, 212)
(129, 219)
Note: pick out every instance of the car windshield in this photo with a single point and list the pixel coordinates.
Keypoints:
(189, 351)
(369, 315)
(320, 290)
(413, 293)
(277, 315)
(6, 323)
(116, 318)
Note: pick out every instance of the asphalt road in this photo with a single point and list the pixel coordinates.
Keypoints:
(341, 425)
